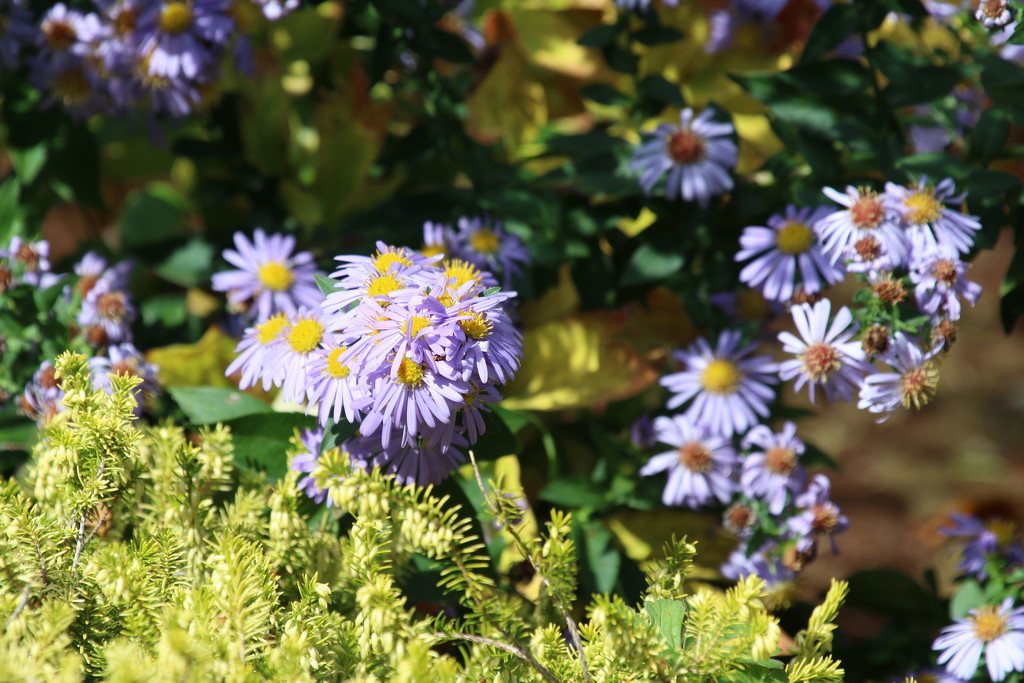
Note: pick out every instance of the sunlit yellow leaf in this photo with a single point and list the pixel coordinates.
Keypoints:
(643, 534)
(199, 364)
(508, 104)
(550, 40)
(578, 362)
(631, 227)
(558, 302)
(199, 303)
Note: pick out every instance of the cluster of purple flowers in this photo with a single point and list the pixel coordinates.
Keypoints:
(480, 242)
(103, 311)
(126, 52)
(907, 237)
(723, 454)
(995, 630)
(410, 347)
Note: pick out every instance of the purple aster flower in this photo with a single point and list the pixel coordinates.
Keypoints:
(332, 386)
(306, 461)
(414, 398)
(257, 354)
(699, 466)
(30, 261)
(761, 563)
(108, 308)
(740, 520)
(438, 239)
(928, 220)
(427, 460)
(868, 224)
(696, 156)
(993, 13)
(63, 31)
(299, 340)
(269, 276)
(820, 517)
(825, 356)
(183, 38)
(642, 5)
(913, 383)
(487, 246)
(997, 631)
(484, 343)
(125, 359)
(928, 139)
(983, 539)
(784, 252)
(93, 269)
(42, 397)
(722, 27)
(729, 389)
(388, 273)
(939, 283)
(772, 472)
(642, 432)
(929, 675)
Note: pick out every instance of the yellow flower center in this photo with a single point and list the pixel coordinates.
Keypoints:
(305, 335)
(417, 323)
(922, 207)
(484, 241)
(476, 327)
(268, 331)
(988, 623)
(461, 272)
(429, 250)
(276, 276)
(334, 367)
(383, 285)
(410, 373)
(917, 387)
(795, 238)
(175, 18)
(721, 377)
(389, 257)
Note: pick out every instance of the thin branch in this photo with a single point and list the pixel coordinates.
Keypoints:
(21, 606)
(511, 649)
(574, 632)
(82, 540)
(99, 523)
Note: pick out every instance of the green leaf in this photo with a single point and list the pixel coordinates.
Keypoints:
(668, 617)
(832, 28)
(497, 440)
(326, 284)
(969, 595)
(989, 136)
(661, 90)
(155, 214)
(336, 433)
(169, 310)
(206, 405)
(603, 558)
(892, 592)
(573, 492)
(602, 93)
(599, 36)
(189, 265)
(651, 264)
(261, 441)
(657, 35)
(28, 162)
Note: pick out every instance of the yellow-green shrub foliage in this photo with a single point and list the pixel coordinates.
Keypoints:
(144, 555)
